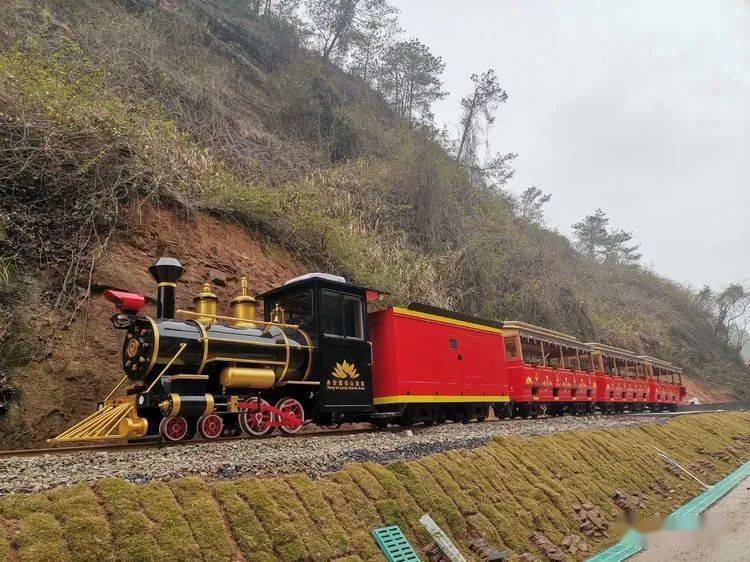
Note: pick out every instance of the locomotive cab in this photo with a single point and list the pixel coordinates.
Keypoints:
(332, 312)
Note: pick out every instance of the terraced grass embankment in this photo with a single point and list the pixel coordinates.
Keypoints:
(503, 492)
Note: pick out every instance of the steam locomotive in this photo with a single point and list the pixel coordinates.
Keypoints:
(318, 356)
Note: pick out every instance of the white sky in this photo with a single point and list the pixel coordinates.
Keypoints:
(641, 108)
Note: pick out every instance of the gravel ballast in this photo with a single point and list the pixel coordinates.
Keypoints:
(313, 455)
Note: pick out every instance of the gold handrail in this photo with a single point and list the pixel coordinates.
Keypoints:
(119, 384)
(167, 366)
(234, 318)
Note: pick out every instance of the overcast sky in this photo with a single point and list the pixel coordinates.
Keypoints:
(641, 108)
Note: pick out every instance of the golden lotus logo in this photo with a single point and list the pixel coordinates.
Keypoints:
(345, 370)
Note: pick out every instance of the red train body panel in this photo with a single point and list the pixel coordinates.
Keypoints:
(424, 358)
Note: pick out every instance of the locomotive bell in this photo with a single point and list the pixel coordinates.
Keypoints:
(166, 272)
(243, 308)
(206, 304)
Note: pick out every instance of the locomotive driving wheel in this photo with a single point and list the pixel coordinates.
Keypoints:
(173, 428)
(256, 421)
(210, 426)
(291, 407)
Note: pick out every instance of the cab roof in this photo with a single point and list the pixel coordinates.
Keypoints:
(320, 280)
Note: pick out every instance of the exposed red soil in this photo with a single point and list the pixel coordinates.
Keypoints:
(74, 368)
(705, 393)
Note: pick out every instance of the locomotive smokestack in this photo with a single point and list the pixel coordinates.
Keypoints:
(166, 272)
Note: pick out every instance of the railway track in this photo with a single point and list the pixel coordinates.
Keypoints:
(158, 443)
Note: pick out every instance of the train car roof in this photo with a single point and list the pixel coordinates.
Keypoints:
(660, 363)
(450, 314)
(613, 351)
(544, 334)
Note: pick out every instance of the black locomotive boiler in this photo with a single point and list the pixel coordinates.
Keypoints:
(198, 371)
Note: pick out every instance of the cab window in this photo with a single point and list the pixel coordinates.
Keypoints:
(297, 307)
(353, 322)
(342, 315)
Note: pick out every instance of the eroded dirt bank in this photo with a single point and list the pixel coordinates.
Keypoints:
(67, 369)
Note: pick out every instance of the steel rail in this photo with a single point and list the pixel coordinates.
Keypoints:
(156, 442)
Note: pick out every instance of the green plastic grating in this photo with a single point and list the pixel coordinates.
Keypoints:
(630, 544)
(684, 518)
(687, 517)
(394, 544)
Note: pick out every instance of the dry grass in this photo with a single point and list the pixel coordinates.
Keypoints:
(501, 492)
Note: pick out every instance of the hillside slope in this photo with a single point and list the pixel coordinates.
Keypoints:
(112, 111)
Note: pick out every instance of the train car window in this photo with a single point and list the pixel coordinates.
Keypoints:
(553, 356)
(630, 370)
(353, 321)
(511, 348)
(570, 358)
(342, 315)
(453, 344)
(585, 359)
(605, 364)
(532, 351)
(298, 308)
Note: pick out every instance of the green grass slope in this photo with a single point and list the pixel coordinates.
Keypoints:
(502, 492)
(105, 105)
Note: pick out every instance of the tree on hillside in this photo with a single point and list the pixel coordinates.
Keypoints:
(617, 250)
(729, 312)
(732, 308)
(409, 79)
(372, 40)
(478, 116)
(255, 9)
(479, 106)
(591, 234)
(531, 205)
(338, 24)
(595, 241)
(705, 299)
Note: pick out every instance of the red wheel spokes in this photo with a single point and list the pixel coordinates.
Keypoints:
(257, 418)
(293, 415)
(210, 426)
(173, 428)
